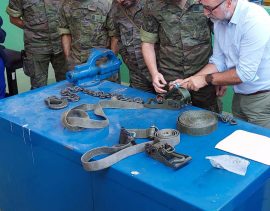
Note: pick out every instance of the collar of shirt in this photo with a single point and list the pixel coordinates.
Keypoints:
(236, 15)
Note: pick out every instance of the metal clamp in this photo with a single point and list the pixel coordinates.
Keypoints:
(167, 155)
(126, 148)
(176, 98)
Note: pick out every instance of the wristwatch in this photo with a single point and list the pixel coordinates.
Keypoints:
(209, 79)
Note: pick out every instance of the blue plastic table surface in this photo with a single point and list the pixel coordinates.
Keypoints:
(195, 186)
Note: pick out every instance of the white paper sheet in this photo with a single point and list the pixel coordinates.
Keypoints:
(246, 144)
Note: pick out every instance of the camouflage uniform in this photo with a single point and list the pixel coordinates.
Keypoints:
(89, 25)
(41, 39)
(185, 43)
(128, 34)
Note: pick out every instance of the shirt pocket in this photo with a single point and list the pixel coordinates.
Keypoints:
(126, 35)
(34, 12)
(195, 27)
(90, 17)
(170, 29)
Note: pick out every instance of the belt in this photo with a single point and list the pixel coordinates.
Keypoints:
(201, 122)
(259, 92)
(78, 119)
(121, 151)
(197, 122)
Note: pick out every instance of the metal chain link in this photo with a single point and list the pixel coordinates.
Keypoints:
(70, 93)
(226, 118)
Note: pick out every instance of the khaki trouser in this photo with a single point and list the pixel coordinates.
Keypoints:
(252, 108)
(36, 67)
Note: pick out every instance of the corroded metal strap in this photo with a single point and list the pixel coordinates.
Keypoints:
(119, 152)
(78, 119)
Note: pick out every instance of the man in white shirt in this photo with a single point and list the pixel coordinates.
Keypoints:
(241, 57)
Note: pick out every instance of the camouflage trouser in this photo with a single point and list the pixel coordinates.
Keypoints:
(141, 83)
(72, 62)
(206, 98)
(36, 67)
(140, 79)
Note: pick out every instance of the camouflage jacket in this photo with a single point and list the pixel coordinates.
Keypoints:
(184, 36)
(41, 22)
(89, 25)
(127, 30)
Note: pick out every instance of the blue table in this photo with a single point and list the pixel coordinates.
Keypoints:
(40, 162)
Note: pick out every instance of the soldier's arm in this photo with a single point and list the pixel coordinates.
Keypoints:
(64, 31)
(111, 26)
(15, 12)
(66, 44)
(149, 55)
(149, 36)
(114, 45)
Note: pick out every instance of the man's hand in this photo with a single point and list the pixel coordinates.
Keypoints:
(17, 21)
(220, 90)
(177, 83)
(159, 83)
(194, 82)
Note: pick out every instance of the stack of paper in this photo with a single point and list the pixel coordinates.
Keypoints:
(250, 145)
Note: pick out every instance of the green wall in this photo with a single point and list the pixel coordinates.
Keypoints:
(267, 8)
(14, 38)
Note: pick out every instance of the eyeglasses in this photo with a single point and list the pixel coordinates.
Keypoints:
(211, 9)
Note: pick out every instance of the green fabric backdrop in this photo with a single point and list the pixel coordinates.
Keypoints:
(14, 38)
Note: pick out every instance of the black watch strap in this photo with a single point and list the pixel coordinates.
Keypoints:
(209, 79)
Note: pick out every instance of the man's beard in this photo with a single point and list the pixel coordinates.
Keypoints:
(227, 14)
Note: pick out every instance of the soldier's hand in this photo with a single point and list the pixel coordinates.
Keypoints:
(159, 83)
(70, 63)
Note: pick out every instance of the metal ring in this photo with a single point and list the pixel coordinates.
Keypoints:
(176, 85)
